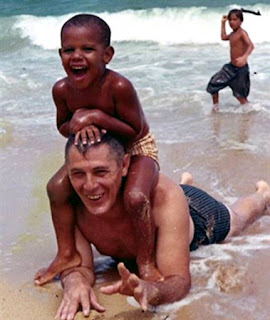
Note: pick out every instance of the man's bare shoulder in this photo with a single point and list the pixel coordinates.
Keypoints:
(167, 193)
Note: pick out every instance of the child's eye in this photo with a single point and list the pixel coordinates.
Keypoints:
(68, 50)
(88, 49)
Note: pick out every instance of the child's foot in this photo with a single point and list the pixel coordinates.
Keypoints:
(186, 178)
(149, 272)
(263, 188)
(58, 265)
(215, 108)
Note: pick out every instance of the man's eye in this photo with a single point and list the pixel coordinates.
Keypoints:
(101, 173)
(77, 174)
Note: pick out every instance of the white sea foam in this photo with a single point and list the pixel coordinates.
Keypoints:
(198, 25)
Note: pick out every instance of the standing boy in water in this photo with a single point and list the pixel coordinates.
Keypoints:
(236, 73)
(92, 99)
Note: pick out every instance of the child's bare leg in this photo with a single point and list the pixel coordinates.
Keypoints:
(247, 209)
(242, 100)
(60, 192)
(186, 178)
(142, 177)
(215, 99)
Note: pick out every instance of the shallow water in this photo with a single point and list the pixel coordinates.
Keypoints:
(226, 152)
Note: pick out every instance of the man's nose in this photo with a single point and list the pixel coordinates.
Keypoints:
(90, 183)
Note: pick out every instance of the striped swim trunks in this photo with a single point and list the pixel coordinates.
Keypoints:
(146, 146)
(211, 218)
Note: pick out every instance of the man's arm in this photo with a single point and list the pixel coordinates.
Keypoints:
(171, 215)
(77, 283)
(224, 35)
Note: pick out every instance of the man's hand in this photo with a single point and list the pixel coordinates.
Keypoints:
(131, 285)
(77, 292)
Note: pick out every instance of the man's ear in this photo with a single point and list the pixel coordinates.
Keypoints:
(126, 163)
(60, 53)
(108, 54)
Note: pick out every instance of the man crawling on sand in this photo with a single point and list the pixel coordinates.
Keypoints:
(184, 216)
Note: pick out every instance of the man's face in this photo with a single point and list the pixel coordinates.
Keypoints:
(96, 177)
(83, 55)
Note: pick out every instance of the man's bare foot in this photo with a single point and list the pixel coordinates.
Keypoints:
(186, 178)
(58, 265)
(263, 188)
(149, 272)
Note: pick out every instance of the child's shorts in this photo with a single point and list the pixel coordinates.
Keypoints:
(146, 146)
(230, 76)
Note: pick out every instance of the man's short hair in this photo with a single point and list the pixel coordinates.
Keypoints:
(116, 147)
(86, 20)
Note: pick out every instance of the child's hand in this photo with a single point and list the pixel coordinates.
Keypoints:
(89, 133)
(80, 119)
(240, 61)
(224, 18)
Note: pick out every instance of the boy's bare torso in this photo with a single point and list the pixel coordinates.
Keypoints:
(237, 44)
(100, 96)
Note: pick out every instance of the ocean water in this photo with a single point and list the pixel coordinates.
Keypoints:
(169, 50)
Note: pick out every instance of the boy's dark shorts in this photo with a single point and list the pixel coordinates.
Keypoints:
(211, 218)
(230, 76)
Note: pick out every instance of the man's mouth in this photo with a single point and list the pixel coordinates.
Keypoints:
(94, 197)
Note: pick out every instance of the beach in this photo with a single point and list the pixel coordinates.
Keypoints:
(170, 63)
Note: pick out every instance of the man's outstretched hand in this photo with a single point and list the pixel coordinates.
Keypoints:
(131, 285)
(77, 292)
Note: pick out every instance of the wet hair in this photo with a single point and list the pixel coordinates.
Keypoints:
(115, 146)
(237, 12)
(86, 20)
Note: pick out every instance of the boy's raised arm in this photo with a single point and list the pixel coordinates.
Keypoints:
(224, 35)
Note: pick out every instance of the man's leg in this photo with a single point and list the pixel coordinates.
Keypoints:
(186, 178)
(247, 209)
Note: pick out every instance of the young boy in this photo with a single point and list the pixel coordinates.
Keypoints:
(92, 99)
(236, 73)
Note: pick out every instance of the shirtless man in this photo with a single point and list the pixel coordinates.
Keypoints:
(236, 73)
(97, 173)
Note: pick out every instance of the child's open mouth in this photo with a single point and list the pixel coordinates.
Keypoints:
(79, 71)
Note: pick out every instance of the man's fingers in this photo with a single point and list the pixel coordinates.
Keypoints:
(111, 289)
(98, 307)
(123, 271)
(85, 302)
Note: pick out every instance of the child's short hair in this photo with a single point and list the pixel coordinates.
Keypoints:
(238, 13)
(84, 20)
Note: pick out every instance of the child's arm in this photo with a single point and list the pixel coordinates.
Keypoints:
(242, 60)
(128, 118)
(63, 115)
(224, 35)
